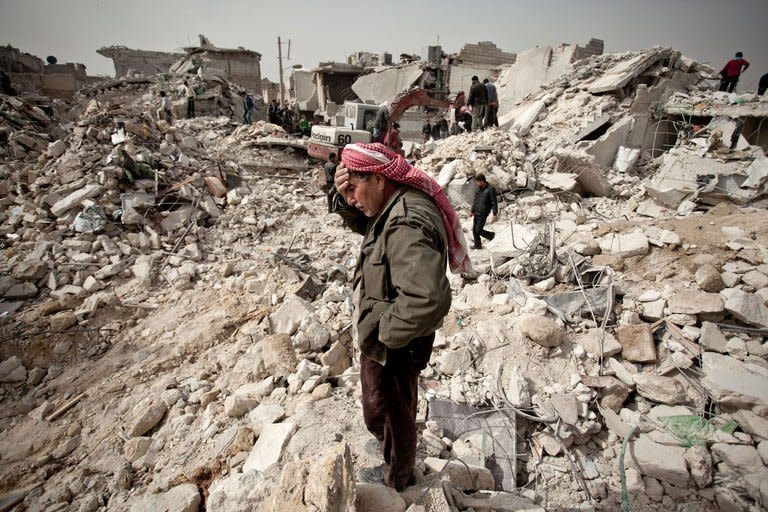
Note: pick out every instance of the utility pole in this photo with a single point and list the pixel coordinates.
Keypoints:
(280, 60)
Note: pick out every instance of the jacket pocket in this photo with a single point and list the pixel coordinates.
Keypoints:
(375, 273)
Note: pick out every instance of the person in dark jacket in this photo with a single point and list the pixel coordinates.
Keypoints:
(763, 85)
(477, 100)
(248, 105)
(330, 175)
(732, 71)
(426, 131)
(492, 110)
(484, 203)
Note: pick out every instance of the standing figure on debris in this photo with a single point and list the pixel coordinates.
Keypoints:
(484, 203)
(477, 101)
(410, 234)
(731, 72)
(381, 123)
(166, 110)
(189, 93)
(492, 110)
(304, 125)
(426, 131)
(435, 131)
(763, 85)
(248, 106)
(465, 119)
(287, 118)
(273, 112)
(330, 175)
(393, 141)
(442, 125)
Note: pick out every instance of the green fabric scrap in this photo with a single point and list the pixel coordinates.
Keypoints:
(689, 429)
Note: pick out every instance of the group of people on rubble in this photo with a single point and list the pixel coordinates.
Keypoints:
(480, 111)
(165, 109)
(285, 117)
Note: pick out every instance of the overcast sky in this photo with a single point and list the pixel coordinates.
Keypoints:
(707, 30)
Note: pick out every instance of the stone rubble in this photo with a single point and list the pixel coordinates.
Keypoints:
(190, 344)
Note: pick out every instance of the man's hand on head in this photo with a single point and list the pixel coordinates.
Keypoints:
(341, 180)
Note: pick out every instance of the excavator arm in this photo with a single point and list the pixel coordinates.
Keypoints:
(406, 100)
(412, 98)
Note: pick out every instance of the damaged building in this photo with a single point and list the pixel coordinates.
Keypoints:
(28, 72)
(237, 65)
(130, 62)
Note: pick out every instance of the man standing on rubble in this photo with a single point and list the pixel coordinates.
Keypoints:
(410, 233)
(330, 175)
(248, 108)
(492, 109)
(477, 101)
(762, 85)
(166, 108)
(731, 72)
(426, 131)
(189, 93)
(484, 203)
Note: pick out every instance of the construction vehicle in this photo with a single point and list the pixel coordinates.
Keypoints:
(359, 120)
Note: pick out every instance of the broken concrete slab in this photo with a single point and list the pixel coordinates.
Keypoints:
(625, 70)
(65, 204)
(637, 343)
(595, 339)
(666, 463)
(586, 171)
(182, 498)
(463, 476)
(695, 302)
(269, 447)
(382, 86)
(732, 382)
(711, 338)
(625, 245)
(747, 307)
(288, 317)
(524, 119)
(666, 390)
(323, 482)
(378, 498)
(541, 330)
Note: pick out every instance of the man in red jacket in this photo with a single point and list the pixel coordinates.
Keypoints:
(730, 73)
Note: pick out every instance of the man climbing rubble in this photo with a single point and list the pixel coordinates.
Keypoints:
(484, 203)
(732, 71)
(477, 101)
(401, 291)
(189, 93)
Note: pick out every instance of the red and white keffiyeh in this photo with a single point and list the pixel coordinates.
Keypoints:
(376, 158)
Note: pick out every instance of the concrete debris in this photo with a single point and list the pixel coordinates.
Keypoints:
(182, 280)
(269, 447)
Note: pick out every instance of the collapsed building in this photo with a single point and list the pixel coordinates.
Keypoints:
(131, 62)
(27, 72)
(177, 305)
(238, 65)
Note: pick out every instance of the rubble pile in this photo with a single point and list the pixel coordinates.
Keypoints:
(178, 307)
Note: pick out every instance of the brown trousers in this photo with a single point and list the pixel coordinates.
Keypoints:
(390, 398)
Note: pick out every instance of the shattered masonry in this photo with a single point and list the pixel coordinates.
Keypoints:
(177, 303)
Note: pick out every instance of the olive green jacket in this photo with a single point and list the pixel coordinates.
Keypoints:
(401, 273)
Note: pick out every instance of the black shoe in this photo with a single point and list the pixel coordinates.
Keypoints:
(477, 247)
(492, 236)
(372, 447)
(374, 475)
